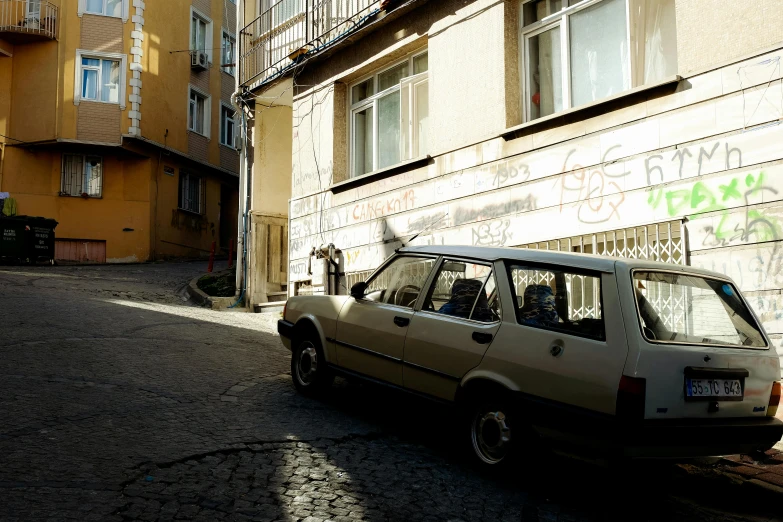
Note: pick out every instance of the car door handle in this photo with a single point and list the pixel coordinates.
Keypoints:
(482, 338)
(401, 321)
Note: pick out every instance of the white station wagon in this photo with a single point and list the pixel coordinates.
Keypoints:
(585, 353)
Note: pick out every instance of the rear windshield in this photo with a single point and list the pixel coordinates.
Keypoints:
(687, 308)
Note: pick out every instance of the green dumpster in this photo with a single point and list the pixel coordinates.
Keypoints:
(27, 239)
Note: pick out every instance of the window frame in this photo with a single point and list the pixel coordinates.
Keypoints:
(97, 55)
(82, 10)
(391, 260)
(84, 157)
(226, 35)
(509, 263)
(432, 281)
(224, 118)
(207, 111)
(183, 174)
(372, 101)
(208, 27)
(560, 19)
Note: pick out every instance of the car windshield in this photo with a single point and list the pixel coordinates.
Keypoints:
(691, 309)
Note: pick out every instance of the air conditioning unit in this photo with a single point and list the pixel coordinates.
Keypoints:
(199, 60)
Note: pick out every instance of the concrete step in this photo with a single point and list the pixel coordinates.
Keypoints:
(277, 296)
(272, 307)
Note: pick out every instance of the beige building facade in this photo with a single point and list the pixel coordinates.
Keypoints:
(116, 120)
(636, 128)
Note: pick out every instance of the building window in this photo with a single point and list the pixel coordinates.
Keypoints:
(227, 126)
(200, 33)
(578, 51)
(82, 175)
(104, 7)
(101, 77)
(191, 192)
(115, 8)
(101, 80)
(389, 115)
(228, 53)
(198, 112)
(280, 10)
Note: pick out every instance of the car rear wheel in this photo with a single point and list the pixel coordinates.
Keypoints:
(308, 366)
(491, 434)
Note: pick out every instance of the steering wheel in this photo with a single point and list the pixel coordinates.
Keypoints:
(402, 291)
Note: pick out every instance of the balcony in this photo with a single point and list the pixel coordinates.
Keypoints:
(23, 21)
(292, 28)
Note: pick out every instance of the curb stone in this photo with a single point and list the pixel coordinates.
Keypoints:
(199, 297)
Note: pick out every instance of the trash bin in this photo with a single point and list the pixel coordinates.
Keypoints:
(27, 239)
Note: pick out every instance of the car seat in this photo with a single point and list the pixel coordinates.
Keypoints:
(463, 296)
(539, 306)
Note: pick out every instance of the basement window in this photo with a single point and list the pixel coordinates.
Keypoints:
(389, 115)
(82, 175)
(575, 52)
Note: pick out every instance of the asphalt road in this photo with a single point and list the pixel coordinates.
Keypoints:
(119, 401)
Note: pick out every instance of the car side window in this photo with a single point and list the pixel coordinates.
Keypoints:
(400, 282)
(464, 290)
(563, 300)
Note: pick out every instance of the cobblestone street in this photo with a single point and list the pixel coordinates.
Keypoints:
(119, 401)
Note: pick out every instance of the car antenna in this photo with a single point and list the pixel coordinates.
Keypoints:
(426, 229)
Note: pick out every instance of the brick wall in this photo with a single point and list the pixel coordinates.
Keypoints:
(198, 146)
(203, 5)
(101, 33)
(229, 16)
(229, 159)
(98, 122)
(226, 87)
(200, 80)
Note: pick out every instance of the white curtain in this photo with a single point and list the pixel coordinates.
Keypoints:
(654, 43)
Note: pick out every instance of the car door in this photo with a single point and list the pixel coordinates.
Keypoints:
(557, 347)
(458, 319)
(371, 330)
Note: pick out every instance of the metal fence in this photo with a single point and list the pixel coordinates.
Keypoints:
(34, 17)
(290, 28)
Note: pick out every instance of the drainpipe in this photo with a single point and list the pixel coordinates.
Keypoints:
(244, 196)
(241, 216)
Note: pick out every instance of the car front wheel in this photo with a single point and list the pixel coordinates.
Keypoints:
(308, 366)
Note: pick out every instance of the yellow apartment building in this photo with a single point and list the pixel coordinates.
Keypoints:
(116, 120)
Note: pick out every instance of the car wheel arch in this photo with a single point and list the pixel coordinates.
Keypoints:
(483, 386)
(307, 326)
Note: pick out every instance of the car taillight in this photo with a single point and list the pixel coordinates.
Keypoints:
(630, 398)
(774, 400)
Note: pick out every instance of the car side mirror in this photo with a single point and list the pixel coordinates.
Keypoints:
(357, 290)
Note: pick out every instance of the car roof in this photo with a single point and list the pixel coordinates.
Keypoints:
(572, 259)
(585, 261)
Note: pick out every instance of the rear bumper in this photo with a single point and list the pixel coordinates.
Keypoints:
(700, 437)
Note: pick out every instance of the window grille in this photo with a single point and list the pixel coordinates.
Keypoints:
(81, 175)
(191, 193)
(658, 242)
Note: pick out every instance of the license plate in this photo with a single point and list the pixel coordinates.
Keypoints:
(726, 389)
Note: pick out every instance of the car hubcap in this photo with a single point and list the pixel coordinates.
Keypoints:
(491, 436)
(308, 364)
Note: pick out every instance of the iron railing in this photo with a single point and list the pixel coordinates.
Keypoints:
(291, 28)
(32, 17)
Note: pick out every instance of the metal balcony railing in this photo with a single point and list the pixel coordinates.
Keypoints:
(290, 28)
(26, 20)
